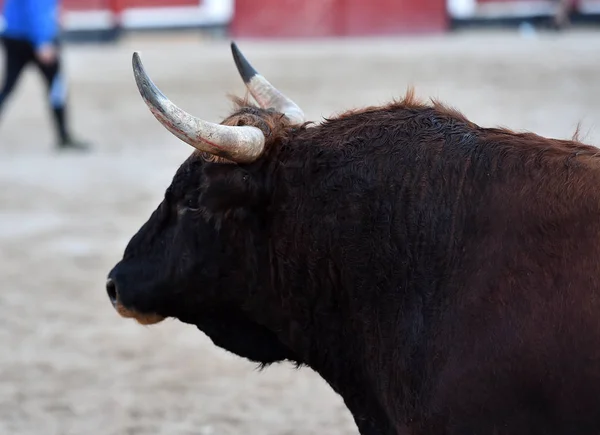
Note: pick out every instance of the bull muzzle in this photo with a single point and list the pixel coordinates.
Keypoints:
(128, 313)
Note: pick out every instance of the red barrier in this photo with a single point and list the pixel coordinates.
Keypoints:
(383, 17)
(84, 5)
(123, 4)
(317, 18)
(287, 18)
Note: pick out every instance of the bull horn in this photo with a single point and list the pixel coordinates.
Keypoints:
(242, 144)
(266, 95)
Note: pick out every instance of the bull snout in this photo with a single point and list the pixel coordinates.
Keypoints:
(129, 311)
(111, 290)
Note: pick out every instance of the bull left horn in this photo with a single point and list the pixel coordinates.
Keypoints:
(265, 94)
(242, 144)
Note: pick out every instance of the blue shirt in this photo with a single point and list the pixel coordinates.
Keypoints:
(35, 21)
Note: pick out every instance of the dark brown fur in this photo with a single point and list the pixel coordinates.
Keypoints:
(442, 277)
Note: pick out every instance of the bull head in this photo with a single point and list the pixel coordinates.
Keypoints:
(240, 144)
(188, 260)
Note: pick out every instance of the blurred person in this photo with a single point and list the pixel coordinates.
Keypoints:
(564, 9)
(31, 35)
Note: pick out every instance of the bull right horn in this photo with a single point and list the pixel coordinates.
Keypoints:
(240, 144)
(265, 94)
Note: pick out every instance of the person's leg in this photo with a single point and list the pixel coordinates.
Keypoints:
(57, 94)
(17, 55)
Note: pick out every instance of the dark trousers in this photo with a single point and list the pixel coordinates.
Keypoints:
(18, 54)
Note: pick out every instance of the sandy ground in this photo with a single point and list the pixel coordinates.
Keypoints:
(68, 363)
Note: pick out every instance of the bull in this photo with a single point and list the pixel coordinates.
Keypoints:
(442, 277)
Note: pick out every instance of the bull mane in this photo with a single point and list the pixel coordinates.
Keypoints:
(279, 130)
(410, 101)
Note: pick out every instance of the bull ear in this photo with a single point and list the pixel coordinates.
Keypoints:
(231, 187)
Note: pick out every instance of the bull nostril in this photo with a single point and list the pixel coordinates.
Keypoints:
(111, 289)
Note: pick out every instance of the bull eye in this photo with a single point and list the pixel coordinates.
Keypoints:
(186, 205)
(190, 203)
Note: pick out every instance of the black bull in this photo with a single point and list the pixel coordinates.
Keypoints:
(443, 278)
